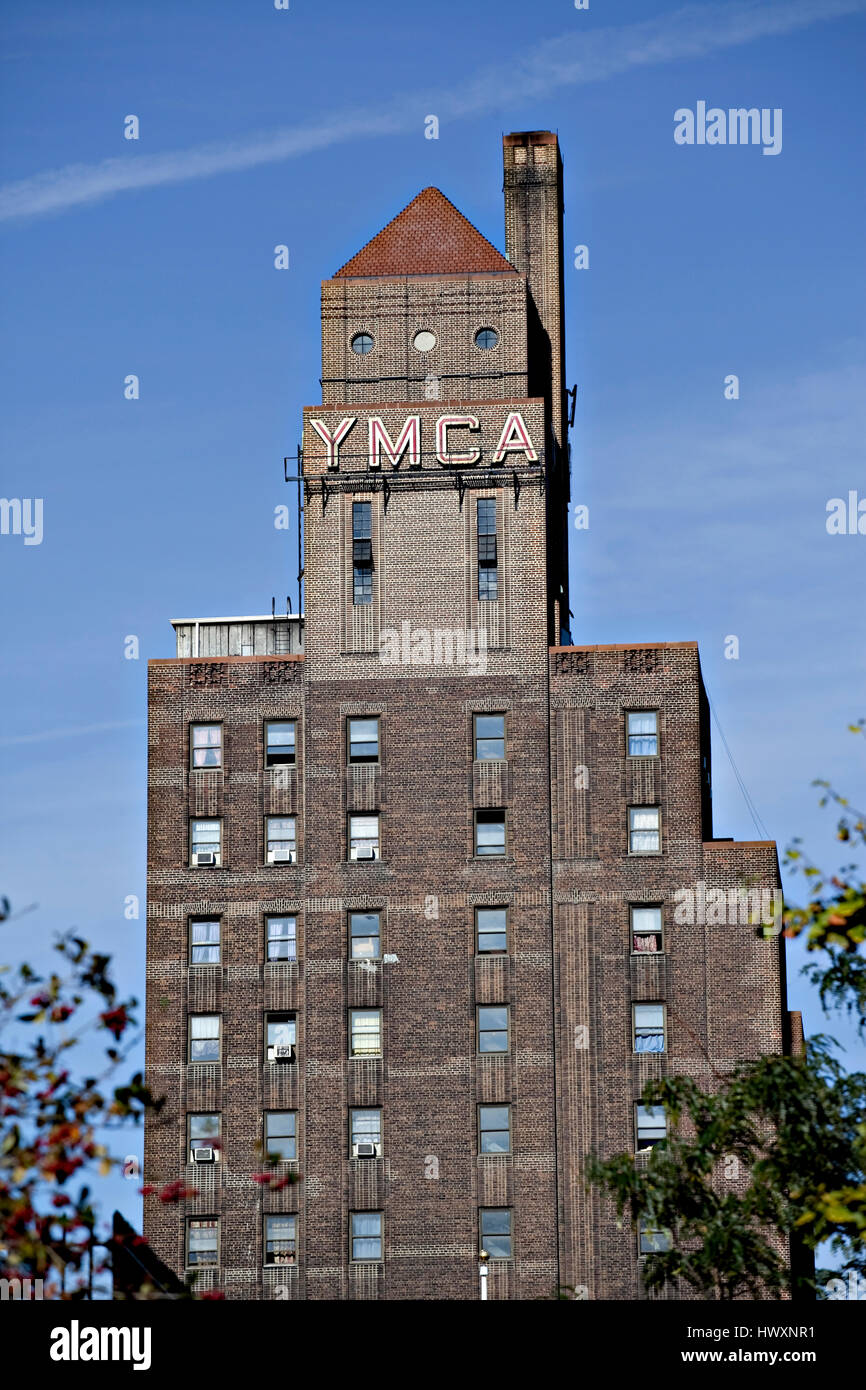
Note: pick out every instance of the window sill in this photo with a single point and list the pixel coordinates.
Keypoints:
(647, 955)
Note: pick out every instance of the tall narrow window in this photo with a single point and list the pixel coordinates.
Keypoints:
(649, 1027)
(490, 833)
(651, 1126)
(364, 935)
(363, 740)
(646, 930)
(644, 830)
(280, 834)
(494, 1129)
(280, 1240)
(489, 737)
(204, 1138)
(206, 745)
(280, 1037)
(280, 743)
(202, 1242)
(488, 573)
(491, 930)
(366, 1235)
(493, 1028)
(204, 1038)
(205, 847)
(363, 837)
(365, 1033)
(362, 552)
(643, 735)
(365, 1128)
(281, 1134)
(282, 938)
(204, 942)
(496, 1236)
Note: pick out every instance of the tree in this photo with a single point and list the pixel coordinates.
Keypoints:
(777, 1150)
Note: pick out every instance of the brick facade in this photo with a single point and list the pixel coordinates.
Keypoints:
(563, 781)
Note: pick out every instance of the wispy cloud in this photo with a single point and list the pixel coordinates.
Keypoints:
(576, 58)
(74, 731)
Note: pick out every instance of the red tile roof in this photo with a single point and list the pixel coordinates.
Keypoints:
(429, 237)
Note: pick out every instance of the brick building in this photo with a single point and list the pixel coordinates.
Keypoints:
(420, 865)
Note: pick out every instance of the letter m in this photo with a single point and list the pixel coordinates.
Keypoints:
(740, 122)
(409, 438)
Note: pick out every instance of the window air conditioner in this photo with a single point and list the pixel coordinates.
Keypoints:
(366, 1150)
(281, 856)
(205, 857)
(203, 1156)
(284, 1052)
(365, 852)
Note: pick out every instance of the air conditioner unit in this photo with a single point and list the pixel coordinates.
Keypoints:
(281, 856)
(205, 857)
(366, 1150)
(284, 1052)
(203, 1156)
(365, 852)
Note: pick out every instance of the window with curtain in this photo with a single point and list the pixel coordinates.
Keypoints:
(643, 734)
(644, 830)
(646, 930)
(280, 1240)
(206, 743)
(365, 1127)
(649, 1027)
(204, 1038)
(365, 1033)
(202, 1242)
(366, 1235)
(282, 938)
(204, 942)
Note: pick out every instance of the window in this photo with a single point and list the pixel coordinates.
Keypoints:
(644, 830)
(366, 1235)
(651, 1240)
(649, 1027)
(280, 743)
(643, 735)
(424, 341)
(486, 338)
(280, 1032)
(646, 930)
(489, 832)
(280, 835)
(205, 841)
(364, 939)
(281, 1134)
(491, 930)
(204, 1038)
(202, 1242)
(365, 1033)
(496, 1234)
(204, 1133)
(362, 552)
(282, 938)
(363, 837)
(489, 737)
(280, 1240)
(365, 1127)
(204, 942)
(362, 343)
(206, 745)
(493, 1028)
(488, 577)
(363, 739)
(651, 1126)
(494, 1128)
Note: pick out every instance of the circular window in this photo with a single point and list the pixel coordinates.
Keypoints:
(362, 343)
(424, 341)
(486, 338)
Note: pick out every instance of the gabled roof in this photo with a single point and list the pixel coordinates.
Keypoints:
(429, 237)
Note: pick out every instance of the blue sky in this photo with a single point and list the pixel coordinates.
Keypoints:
(261, 127)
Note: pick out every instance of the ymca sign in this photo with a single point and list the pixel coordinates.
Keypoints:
(455, 442)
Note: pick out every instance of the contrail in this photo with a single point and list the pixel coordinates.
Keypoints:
(573, 59)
